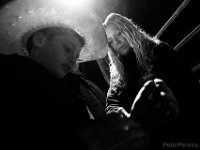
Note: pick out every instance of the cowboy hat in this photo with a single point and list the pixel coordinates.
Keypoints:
(20, 18)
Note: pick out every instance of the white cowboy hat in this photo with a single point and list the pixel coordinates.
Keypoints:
(20, 18)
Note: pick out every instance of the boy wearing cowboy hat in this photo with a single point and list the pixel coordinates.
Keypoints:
(41, 43)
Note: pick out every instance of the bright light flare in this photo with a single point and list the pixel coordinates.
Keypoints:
(76, 4)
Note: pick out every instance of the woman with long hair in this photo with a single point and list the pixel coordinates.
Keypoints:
(130, 56)
(136, 57)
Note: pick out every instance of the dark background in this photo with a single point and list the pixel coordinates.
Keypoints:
(151, 15)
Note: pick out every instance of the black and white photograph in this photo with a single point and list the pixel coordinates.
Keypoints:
(100, 74)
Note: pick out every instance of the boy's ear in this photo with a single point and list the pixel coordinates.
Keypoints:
(39, 39)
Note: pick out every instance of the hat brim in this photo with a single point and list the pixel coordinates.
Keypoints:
(22, 17)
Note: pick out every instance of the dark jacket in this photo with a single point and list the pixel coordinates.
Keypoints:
(29, 89)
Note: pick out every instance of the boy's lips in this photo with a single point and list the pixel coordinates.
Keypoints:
(69, 68)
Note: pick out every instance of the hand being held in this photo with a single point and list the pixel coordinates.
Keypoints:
(154, 105)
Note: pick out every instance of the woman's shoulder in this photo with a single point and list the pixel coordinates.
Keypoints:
(163, 49)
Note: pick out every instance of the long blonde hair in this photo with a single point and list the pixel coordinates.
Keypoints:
(140, 42)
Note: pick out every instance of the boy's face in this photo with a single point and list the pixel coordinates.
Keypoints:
(59, 54)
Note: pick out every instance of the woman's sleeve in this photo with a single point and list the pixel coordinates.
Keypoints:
(113, 104)
(112, 99)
